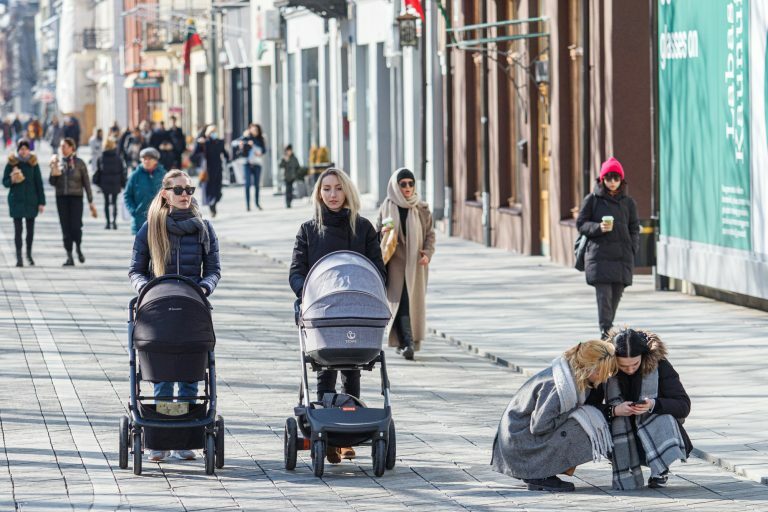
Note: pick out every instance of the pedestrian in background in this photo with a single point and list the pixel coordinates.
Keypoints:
(212, 150)
(175, 240)
(5, 127)
(256, 149)
(34, 132)
(133, 144)
(17, 129)
(552, 424)
(608, 219)
(648, 405)
(72, 130)
(407, 251)
(26, 197)
(69, 175)
(291, 172)
(111, 178)
(143, 184)
(95, 143)
(179, 142)
(54, 133)
(336, 226)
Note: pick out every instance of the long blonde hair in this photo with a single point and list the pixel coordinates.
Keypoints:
(157, 232)
(591, 356)
(351, 198)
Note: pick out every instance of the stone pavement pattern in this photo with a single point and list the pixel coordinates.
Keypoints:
(65, 381)
(522, 311)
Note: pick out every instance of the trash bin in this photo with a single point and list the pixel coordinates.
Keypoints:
(646, 255)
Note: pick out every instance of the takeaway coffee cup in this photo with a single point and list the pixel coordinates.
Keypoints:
(608, 219)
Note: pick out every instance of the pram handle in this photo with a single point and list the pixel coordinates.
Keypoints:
(173, 277)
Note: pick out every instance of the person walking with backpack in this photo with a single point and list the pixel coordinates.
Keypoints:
(608, 218)
(111, 178)
(69, 175)
(26, 197)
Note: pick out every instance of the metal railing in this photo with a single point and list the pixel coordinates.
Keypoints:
(95, 39)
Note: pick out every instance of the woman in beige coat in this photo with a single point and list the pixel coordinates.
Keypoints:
(407, 244)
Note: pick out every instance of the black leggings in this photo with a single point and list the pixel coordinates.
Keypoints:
(17, 230)
(403, 309)
(110, 199)
(71, 220)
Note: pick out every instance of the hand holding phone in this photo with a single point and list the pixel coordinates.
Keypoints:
(639, 402)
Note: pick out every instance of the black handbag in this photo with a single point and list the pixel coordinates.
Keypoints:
(96, 180)
(580, 249)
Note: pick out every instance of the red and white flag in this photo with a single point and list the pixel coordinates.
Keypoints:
(416, 5)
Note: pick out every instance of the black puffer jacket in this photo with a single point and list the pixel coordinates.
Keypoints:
(112, 172)
(189, 261)
(610, 256)
(311, 245)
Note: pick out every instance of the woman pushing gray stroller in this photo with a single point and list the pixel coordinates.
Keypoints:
(338, 274)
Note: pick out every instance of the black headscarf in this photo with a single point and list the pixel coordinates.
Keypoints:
(186, 222)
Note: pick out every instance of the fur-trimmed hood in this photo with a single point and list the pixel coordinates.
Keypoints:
(657, 352)
(14, 159)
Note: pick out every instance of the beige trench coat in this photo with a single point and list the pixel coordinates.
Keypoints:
(396, 280)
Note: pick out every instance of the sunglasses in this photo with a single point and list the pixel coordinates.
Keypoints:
(406, 184)
(612, 176)
(178, 190)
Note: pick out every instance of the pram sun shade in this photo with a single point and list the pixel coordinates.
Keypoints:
(344, 310)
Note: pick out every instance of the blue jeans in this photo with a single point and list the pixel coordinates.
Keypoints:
(185, 389)
(252, 171)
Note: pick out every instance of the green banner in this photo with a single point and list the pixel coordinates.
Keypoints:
(704, 106)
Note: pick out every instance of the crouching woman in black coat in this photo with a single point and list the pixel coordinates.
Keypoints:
(336, 226)
(647, 405)
(175, 240)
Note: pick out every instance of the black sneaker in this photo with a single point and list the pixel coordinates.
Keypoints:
(551, 483)
(657, 482)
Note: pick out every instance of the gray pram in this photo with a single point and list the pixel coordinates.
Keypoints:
(341, 319)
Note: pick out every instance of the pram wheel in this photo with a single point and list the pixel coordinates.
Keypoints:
(379, 456)
(290, 440)
(137, 452)
(318, 458)
(210, 452)
(219, 442)
(391, 446)
(125, 443)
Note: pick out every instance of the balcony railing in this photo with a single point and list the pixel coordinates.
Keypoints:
(50, 59)
(324, 8)
(95, 39)
(155, 37)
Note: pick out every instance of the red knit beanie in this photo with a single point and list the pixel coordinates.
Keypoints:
(611, 165)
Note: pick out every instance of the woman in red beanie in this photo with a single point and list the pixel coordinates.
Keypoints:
(608, 219)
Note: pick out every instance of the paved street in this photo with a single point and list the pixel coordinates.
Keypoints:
(65, 381)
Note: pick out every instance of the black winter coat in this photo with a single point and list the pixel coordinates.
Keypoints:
(189, 261)
(212, 150)
(610, 257)
(311, 245)
(112, 175)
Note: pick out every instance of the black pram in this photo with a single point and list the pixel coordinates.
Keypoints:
(342, 318)
(171, 338)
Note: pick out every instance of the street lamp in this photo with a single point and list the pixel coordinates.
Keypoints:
(406, 24)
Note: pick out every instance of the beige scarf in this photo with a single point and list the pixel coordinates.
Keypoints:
(414, 241)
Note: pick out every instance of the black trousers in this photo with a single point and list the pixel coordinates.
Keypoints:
(17, 231)
(608, 297)
(403, 309)
(71, 220)
(326, 382)
(288, 193)
(110, 200)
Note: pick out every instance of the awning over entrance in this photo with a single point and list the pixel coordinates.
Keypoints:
(142, 81)
(324, 8)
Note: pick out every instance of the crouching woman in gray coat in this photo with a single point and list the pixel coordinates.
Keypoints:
(551, 426)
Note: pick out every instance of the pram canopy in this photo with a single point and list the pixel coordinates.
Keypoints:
(344, 310)
(344, 285)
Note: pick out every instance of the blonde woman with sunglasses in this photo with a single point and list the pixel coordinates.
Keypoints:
(609, 221)
(407, 243)
(175, 240)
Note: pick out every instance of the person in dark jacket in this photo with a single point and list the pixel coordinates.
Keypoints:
(143, 184)
(69, 175)
(26, 197)
(132, 145)
(111, 179)
(336, 226)
(291, 169)
(609, 220)
(178, 140)
(72, 130)
(167, 156)
(175, 240)
(647, 407)
(212, 149)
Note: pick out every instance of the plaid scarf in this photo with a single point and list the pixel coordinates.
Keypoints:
(589, 418)
(659, 435)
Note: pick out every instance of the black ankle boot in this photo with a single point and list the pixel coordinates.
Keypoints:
(19, 261)
(70, 262)
(551, 483)
(80, 256)
(29, 257)
(406, 338)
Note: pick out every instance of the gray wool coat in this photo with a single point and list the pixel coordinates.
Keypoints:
(534, 439)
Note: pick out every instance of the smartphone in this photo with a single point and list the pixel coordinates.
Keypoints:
(640, 402)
